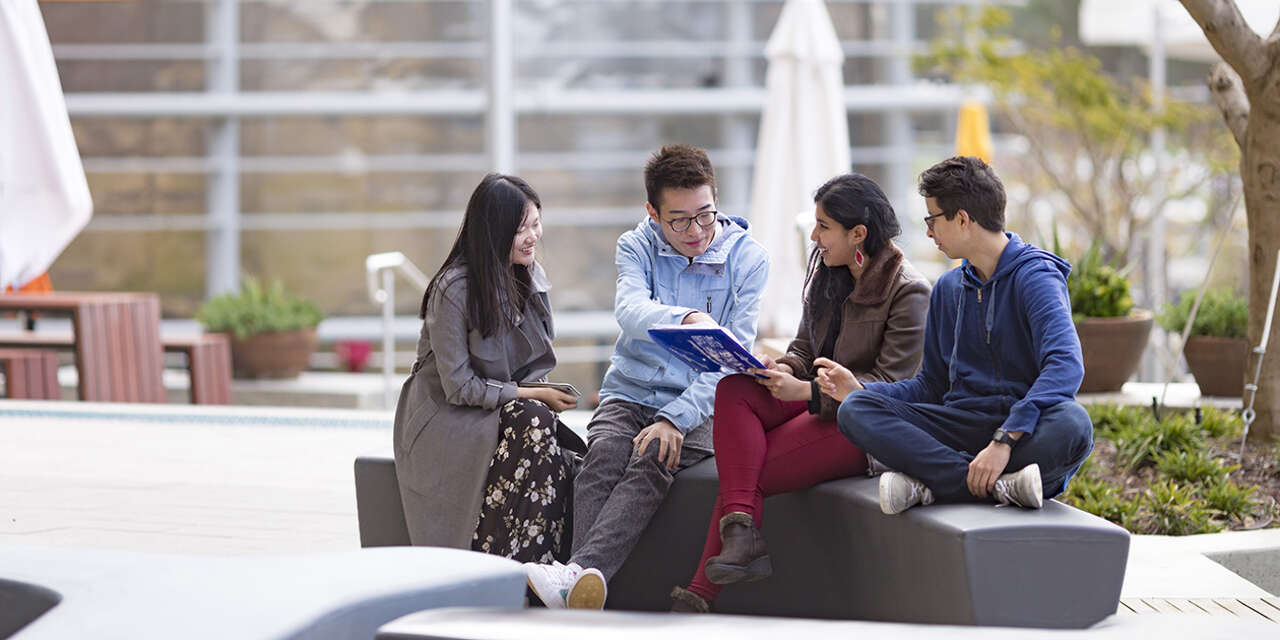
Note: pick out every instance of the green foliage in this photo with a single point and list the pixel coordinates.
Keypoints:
(1194, 466)
(1189, 489)
(1173, 509)
(1220, 423)
(1228, 498)
(1108, 419)
(1088, 133)
(1098, 290)
(1141, 444)
(258, 309)
(1223, 313)
(1103, 499)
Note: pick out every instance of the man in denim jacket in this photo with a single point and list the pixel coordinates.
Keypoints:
(684, 263)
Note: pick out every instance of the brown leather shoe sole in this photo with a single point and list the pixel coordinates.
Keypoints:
(758, 569)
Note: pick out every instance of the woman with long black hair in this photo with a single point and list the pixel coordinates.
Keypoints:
(864, 308)
(481, 459)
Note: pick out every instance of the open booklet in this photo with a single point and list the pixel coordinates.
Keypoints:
(705, 347)
(563, 387)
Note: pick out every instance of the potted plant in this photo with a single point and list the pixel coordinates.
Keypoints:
(1217, 348)
(272, 332)
(1113, 334)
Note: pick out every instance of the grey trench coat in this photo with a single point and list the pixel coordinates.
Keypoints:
(446, 424)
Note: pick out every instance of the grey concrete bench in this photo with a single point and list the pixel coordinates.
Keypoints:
(836, 556)
(60, 593)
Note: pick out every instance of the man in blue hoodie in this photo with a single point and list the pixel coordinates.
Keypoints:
(991, 415)
(684, 263)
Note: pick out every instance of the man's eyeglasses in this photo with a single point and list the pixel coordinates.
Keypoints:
(704, 219)
(929, 220)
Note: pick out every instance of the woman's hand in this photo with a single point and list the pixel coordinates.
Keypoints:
(770, 363)
(782, 385)
(554, 398)
(834, 380)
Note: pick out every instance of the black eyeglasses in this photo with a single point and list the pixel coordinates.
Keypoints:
(928, 220)
(704, 220)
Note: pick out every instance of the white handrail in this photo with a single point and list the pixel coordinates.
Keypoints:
(387, 265)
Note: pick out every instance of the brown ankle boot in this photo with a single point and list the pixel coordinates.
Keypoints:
(743, 556)
(686, 601)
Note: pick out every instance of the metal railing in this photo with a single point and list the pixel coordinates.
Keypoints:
(380, 272)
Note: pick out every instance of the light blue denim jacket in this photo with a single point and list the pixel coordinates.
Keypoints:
(657, 285)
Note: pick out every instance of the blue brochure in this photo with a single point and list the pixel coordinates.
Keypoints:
(705, 347)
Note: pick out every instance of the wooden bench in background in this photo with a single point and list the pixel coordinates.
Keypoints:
(208, 363)
(115, 337)
(30, 374)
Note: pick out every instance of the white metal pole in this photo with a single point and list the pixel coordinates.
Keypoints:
(501, 117)
(1157, 285)
(222, 240)
(388, 338)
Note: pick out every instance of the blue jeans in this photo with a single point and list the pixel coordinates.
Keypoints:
(935, 443)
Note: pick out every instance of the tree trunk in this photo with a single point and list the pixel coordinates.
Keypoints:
(1260, 172)
(1246, 87)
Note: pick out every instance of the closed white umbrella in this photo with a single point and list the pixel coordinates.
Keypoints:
(44, 198)
(804, 140)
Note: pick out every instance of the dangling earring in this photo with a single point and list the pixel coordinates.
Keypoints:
(858, 258)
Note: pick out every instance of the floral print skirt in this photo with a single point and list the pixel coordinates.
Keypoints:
(525, 515)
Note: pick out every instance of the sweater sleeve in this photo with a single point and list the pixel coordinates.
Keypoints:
(1047, 308)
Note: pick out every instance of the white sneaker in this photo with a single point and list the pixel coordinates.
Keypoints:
(1021, 488)
(899, 492)
(875, 467)
(566, 585)
(550, 582)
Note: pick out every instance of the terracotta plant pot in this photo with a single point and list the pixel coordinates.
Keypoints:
(1112, 349)
(1218, 364)
(278, 354)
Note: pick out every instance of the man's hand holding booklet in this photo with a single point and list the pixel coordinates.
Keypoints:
(705, 346)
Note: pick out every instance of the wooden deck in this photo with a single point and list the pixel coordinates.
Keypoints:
(1258, 609)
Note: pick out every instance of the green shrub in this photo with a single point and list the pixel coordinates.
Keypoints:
(1103, 499)
(1196, 466)
(1228, 498)
(1098, 290)
(258, 309)
(1108, 419)
(1172, 509)
(1139, 444)
(1223, 313)
(1219, 423)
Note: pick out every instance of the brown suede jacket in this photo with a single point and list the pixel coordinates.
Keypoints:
(881, 337)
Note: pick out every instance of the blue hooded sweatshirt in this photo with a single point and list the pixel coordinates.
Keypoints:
(1006, 346)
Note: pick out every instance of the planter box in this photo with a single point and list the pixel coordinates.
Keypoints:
(1218, 364)
(1112, 349)
(278, 354)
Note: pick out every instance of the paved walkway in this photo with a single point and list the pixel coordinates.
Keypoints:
(236, 480)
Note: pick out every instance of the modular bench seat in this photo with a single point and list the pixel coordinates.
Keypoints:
(64, 593)
(835, 555)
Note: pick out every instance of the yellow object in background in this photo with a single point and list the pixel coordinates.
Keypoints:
(973, 132)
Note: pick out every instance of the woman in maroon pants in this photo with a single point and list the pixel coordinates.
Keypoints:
(864, 308)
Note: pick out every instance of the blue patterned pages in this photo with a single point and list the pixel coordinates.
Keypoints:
(705, 347)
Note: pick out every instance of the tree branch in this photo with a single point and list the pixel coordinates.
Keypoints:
(1230, 35)
(1228, 93)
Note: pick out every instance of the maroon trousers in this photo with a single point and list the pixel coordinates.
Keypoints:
(765, 446)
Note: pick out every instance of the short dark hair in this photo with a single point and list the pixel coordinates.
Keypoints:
(489, 225)
(966, 182)
(677, 166)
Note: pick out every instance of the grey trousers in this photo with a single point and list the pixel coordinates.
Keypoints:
(617, 491)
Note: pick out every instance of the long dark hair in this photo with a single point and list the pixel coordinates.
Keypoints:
(850, 199)
(496, 290)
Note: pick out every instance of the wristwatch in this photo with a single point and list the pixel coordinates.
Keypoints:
(1003, 437)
